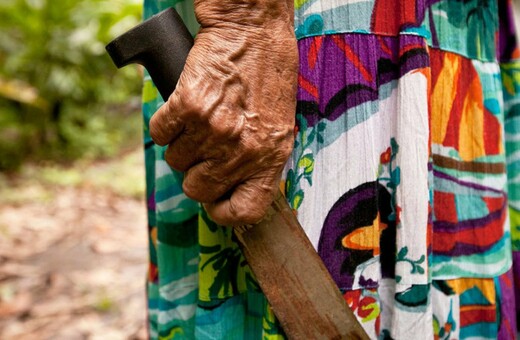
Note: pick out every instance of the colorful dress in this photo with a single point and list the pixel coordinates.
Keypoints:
(405, 175)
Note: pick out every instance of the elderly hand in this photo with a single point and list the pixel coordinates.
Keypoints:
(229, 124)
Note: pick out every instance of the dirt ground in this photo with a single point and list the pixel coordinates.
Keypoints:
(73, 252)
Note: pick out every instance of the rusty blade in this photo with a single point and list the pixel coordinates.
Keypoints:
(292, 276)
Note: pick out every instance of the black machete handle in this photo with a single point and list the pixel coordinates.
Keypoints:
(161, 44)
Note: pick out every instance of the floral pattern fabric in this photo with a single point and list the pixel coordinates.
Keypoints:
(404, 175)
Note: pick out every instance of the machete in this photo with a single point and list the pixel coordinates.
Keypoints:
(299, 288)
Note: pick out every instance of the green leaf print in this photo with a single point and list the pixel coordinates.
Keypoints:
(396, 176)
(304, 160)
(289, 182)
(297, 199)
(416, 268)
(479, 18)
(402, 253)
(307, 163)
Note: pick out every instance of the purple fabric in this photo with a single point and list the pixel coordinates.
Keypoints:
(507, 41)
(516, 277)
(347, 70)
(356, 209)
(507, 329)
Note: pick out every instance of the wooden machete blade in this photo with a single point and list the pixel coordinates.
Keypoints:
(292, 276)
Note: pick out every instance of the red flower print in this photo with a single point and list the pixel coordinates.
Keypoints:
(385, 156)
(366, 307)
(397, 215)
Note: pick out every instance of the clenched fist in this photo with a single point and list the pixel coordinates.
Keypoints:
(229, 124)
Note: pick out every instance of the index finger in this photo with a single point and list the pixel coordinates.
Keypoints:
(165, 125)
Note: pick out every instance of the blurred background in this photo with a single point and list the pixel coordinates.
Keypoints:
(73, 243)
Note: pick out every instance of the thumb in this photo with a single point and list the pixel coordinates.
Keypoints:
(247, 204)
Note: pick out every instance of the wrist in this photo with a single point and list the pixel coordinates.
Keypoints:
(254, 13)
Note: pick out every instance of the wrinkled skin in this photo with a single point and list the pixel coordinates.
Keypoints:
(229, 124)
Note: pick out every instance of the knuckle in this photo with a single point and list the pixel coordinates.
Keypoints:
(200, 186)
(159, 127)
(254, 216)
(234, 211)
(175, 159)
(226, 125)
(218, 218)
(191, 190)
(156, 131)
(166, 122)
(206, 169)
(251, 215)
(247, 213)
(220, 129)
(199, 194)
(249, 148)
(193, 106)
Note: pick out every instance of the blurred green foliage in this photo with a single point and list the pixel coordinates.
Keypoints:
(61, 98)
